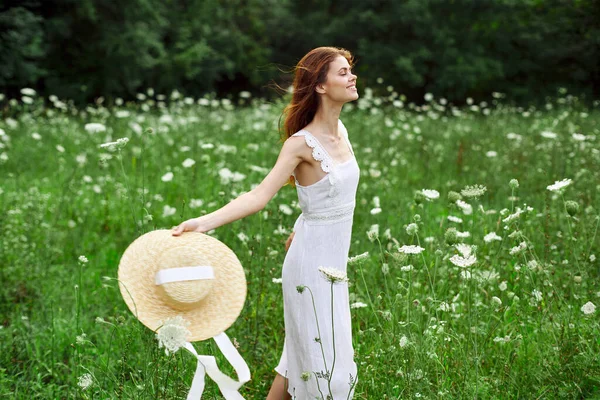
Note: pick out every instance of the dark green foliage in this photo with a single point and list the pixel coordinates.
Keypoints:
(452, 48)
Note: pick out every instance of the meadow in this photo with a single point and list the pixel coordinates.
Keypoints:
(474, 266)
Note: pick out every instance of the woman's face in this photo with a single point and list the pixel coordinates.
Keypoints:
(341, 82)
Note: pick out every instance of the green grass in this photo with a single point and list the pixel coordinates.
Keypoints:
(56, 207)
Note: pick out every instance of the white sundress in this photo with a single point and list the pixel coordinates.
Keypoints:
(322, 238)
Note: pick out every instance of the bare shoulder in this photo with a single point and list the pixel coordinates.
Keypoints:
(295, 146)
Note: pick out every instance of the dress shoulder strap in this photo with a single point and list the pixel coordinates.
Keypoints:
(345, 134)
(318, 153)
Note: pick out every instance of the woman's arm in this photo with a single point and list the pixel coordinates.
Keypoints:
(254, 201)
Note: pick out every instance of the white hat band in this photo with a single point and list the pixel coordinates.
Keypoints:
(183, 274)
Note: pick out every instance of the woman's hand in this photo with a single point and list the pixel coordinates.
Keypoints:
(191, 225)
(289, 241)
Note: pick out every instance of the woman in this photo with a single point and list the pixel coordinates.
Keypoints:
(318, 159)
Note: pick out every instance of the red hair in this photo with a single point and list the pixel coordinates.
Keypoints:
(310, 71)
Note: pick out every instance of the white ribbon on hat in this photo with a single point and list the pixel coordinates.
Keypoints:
(207, 364)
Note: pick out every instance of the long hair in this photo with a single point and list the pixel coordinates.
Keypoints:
(310, 71)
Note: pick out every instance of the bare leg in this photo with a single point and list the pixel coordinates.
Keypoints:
(279, 389)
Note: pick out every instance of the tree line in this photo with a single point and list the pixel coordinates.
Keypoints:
(83, 49)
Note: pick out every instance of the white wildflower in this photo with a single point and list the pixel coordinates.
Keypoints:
(81, 339)
(558, 185)
(359, 257)
(473, 191)
(549, 135)
(188, 162)
(168, 177)
(461, 261)
(518, 249)
(430, 194)
(373, 232)
(412, 229)
(502, 286)
(464, 249)
(28, 91)
(513, 216)
(403, 341)
(491, 236)
(588, 308)
(537, 295)
(95, 127)
(168, 211)
(83, 259)
(466, 208)
(500, 339)
(358, 304)
(452, 218)
(333, 275)
(464, 234)
(85, 381)
(465, 274)
(411, 249)
(406, 268)
(277, 280)
(287, 210)
(172, 335)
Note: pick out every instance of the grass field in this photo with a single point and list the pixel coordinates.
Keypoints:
(508, 314)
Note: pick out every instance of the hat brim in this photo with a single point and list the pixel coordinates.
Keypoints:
(214, 314)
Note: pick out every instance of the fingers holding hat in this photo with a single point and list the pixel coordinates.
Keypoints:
(186, 226)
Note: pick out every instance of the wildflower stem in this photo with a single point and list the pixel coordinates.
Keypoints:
(512, 201)
(120, 157)
(333, 341)
(387, 289)
(426, 269)
(571, 232)
(318, 330)
(593, 238)
(369, 296)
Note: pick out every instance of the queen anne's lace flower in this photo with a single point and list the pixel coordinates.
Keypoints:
(94, 127)
(518, 249)
(430, 194)
(403, 341)
(558, 185)
(172, 335)
(358, 304)
(359, 257)
(334, 275)
(411, 249)
(473, 191)
(464, 249)
(85, 381)
(588, 308)
(466, 208)
(463, 262)
(491, 236)
(188, 162)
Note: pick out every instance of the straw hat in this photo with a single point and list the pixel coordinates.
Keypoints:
(192, 275)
